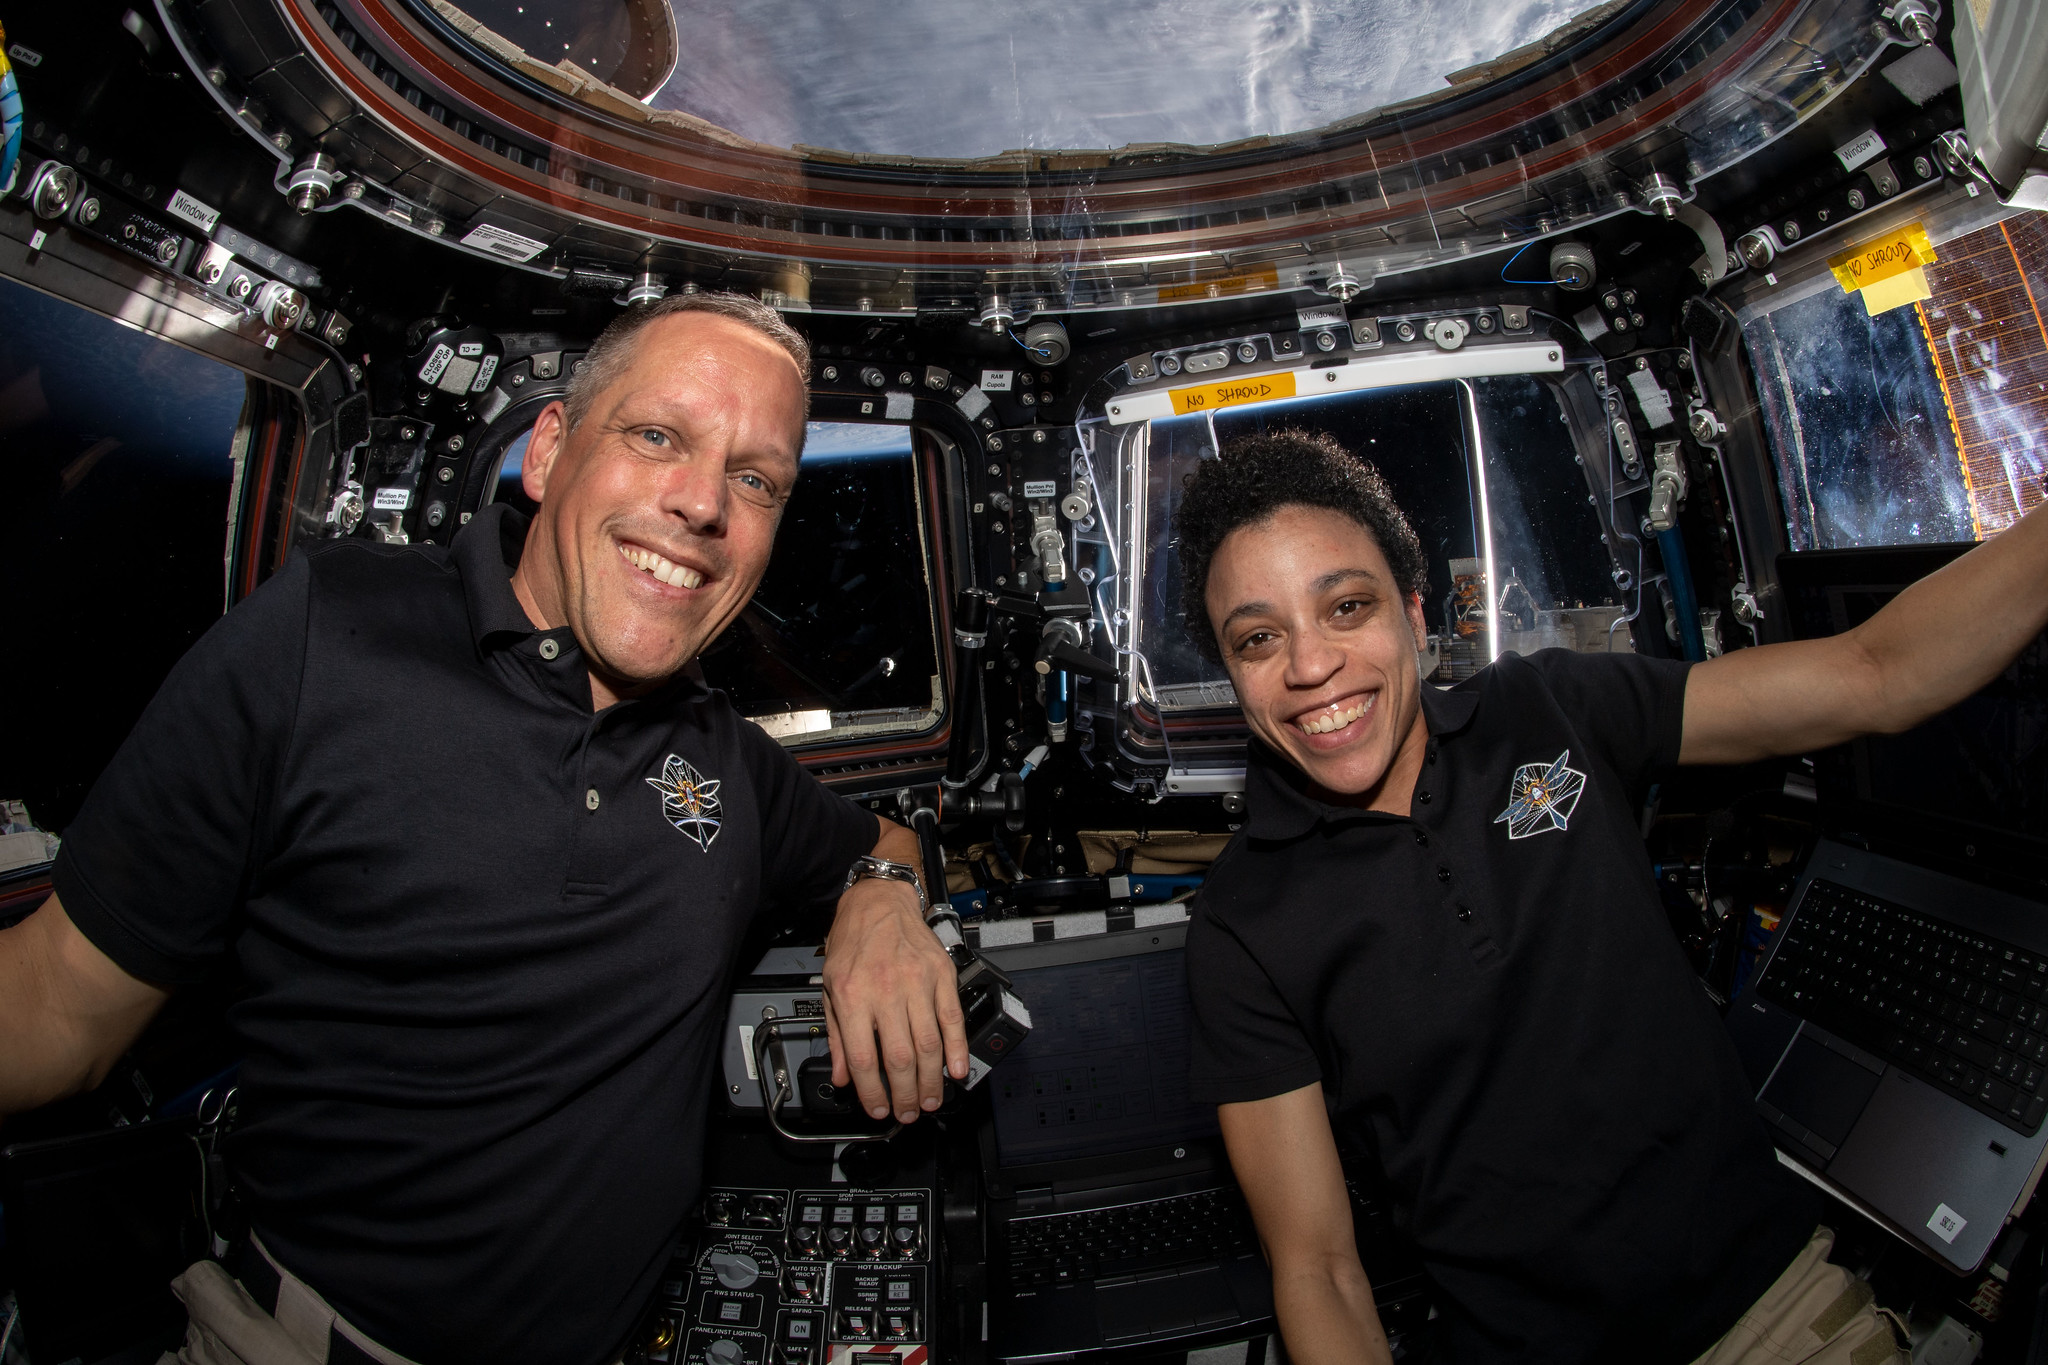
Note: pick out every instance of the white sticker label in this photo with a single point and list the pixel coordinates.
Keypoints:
(470, 348)
(503, 242)
(484, 374)
(197, 212)
(747, 1051)
(897, 407)
(392, 499)
(1946, 1223)
(996, 381)
(1856, 151)
(26, 55)
(1041, 488)
(1322, 315)
(436, 363)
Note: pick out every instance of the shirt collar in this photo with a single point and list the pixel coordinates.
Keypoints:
(486, 551)
(1278, 801)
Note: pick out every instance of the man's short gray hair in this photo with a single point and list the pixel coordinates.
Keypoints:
(612, 352)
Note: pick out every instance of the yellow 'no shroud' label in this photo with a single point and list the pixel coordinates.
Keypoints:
(1888, 270)
(1231, 392)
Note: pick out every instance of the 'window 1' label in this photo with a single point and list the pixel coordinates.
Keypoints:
(1858, 150)
(392, 499)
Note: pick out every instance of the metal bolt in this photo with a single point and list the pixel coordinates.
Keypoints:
(995, 443)
(1855, 199)
(454, 444)
(904, 379)
(1921, 167)
(1326, 341)
(446, 474)
(406, 433)
(437, 513)
(829, 373)
(518, 379)
(1247, 352)
(89, 211)
(1038, 437)
(996, 470)
(1789, 230)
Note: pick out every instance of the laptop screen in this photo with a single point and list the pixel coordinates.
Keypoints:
(1968, 789)
(1105, 1069)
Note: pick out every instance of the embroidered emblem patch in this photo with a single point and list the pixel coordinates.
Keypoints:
(689, 800)
(1542, 796)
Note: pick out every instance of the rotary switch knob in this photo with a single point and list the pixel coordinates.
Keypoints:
(724, 1352)
(735, 1271)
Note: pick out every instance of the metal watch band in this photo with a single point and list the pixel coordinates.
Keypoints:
(868, 865)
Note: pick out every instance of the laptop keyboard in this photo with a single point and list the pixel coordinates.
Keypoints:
(1966, 1013)
(1066, 1248)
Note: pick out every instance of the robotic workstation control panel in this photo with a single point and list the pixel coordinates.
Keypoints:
(795, 1259)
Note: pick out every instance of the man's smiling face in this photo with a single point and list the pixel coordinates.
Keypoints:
(1320, 644)
(658, 509)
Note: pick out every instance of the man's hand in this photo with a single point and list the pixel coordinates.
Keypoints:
(1286, 1163)
(891, 1001)
(1934, 644)
(67, 1011)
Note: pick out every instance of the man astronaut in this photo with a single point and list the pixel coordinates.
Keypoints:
(484, 854)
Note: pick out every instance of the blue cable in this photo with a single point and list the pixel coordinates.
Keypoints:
(1511, 260)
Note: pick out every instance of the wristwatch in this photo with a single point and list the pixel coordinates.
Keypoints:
(868, 865)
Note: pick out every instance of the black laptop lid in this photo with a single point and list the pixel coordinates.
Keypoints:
(1102, 1082)
(1965, 793)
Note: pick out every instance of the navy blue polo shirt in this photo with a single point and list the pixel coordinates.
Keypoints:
(1492, 998)
(486, 934)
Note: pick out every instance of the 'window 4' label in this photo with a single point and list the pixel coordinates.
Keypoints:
(197, 212)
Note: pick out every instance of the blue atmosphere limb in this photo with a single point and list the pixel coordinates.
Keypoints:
(1671, 546)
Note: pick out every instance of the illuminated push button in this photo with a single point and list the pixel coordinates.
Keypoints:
(735, 1270)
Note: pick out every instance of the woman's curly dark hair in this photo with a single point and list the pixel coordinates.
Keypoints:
(1254, 477)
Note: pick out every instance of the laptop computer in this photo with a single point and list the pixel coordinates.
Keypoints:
(1113, 1219)
(1897, 1031)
